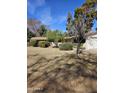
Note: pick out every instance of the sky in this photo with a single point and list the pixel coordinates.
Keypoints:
(53, 13)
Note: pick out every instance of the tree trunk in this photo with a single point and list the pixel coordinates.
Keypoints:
(78, 48)
(80, 40)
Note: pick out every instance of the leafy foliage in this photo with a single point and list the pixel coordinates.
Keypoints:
(86, 13)
(83, 19)
(30, 34)
(55, 36)
(43, 44)
(33, 43)
(59, 36)
(42, 30)
(37, 27)
(51, 36)
(66, 46)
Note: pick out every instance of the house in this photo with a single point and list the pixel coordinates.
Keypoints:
(69, 39)
(91, 41)
(66, 39)
(39, 38)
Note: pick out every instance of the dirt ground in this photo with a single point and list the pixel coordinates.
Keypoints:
(47, 52)
(53, 71)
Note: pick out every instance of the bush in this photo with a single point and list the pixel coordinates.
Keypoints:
(43, 44)
(33, 43)
(47, 44)
(66, 46)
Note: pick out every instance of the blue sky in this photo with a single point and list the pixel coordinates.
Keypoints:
(52, 12)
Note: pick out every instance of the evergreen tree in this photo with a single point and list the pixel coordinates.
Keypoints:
(42, 30)
(83, 20)
(29, 35)
(69, 25)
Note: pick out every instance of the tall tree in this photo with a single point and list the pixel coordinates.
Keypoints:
(42, 30)
(30, 34)
(83, 20)
(33, 25)
(69, 25)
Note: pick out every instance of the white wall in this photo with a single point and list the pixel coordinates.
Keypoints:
(91, 42)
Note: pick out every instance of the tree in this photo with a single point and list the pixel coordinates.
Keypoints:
(59, 36)
(30, 34)
(55, 36)
(69, 25)
(33, 25)
(51, 36)
(42, 30)
(83, 20)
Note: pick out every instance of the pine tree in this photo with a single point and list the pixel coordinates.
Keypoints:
(83, 20)
(69, 25)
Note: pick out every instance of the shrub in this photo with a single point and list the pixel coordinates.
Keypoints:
(66, 46)
(33, 43)
(43, 44)
(47, 44)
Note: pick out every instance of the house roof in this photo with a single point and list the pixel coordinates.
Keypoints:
(38, 38)
(69, 37)
(91, 33)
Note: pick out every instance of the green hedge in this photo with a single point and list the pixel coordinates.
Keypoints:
(43, 44)
(33, 43)
(66, 46)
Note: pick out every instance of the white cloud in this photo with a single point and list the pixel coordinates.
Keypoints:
(34, 4)
(46, 17)
(61, 19)
(45, 14)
